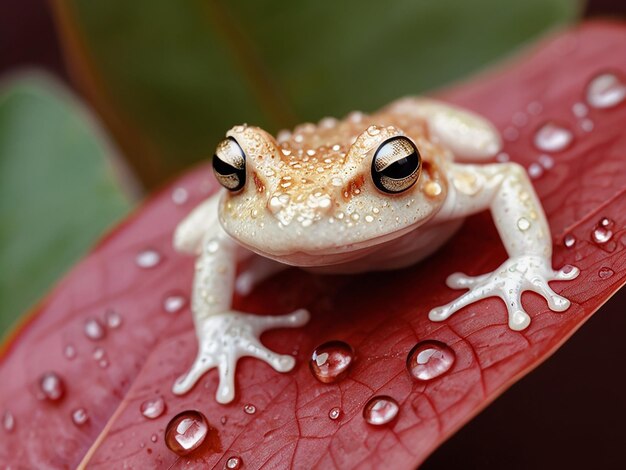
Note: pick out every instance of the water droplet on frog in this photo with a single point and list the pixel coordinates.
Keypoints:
(234, 463)
(605, 273)
(8, 421)
(51, 387)
(174, 302)
(331, 361)
(601, 234)
(249, 409)
(523, 224)
(154, 438)
(180, 196)
(605, 91)
(553, 137)
(112, 318)
(334, 413)
(535, 170)
(153, 408)
(69, 352)
(80, 416)
(429, 360)
(148, 259)
(94, 329)
(569, 240)
(373, 130)
(186, 432)
(380, 410)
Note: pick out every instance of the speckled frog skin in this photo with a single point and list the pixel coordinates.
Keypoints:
(370, 191)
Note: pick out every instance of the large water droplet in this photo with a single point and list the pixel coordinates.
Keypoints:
(605, 91)
(334, 413)
(553, 137)
(112, 318)
(380, 410)
(174, 302)
(250, 409)
(569, 240)
(148, 259)
(234, 463)
(429, 359)
(153, 408)
(51, 387)
(605, 272)
(331, 361)
(8, 421)
(94, 329)
(186, 432)
(80, 416)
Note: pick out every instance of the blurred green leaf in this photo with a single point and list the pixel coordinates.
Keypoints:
(182, 73)
(58, 191)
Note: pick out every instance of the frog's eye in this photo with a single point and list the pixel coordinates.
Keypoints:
(229, 165)
(396, 165)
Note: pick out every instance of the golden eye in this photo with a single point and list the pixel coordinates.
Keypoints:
(229, 165)
(396, 165)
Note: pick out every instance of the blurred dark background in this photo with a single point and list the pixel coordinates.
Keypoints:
(569, 413)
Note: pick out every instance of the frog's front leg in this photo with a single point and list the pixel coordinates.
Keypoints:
(225, 335)
(506, 190)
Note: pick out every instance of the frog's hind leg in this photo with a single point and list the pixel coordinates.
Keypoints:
(469, 136)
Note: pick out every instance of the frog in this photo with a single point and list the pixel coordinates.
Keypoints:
(369, 192)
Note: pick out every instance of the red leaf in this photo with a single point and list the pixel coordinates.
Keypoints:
(381, 315)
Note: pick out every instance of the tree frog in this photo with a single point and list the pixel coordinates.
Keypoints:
(369, 192)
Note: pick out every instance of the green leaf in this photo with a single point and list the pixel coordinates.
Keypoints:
(58, 190)
(179, 74)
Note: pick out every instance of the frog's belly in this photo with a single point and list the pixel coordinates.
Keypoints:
(397, 253)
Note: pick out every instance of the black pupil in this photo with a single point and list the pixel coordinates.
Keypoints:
(223, 168)
(402, 168)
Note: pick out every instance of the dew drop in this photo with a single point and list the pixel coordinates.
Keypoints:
(148, 259)
(174, 303)
(380, 410)
(234, 463)
(569, 240)
(546, 161)
(331, 361)
(94, 330)
(606, 222)
(535, 170)
(51, 387)
(153, 408)
(180, 196)
(69, 352)
(8, 421)
(249, 409)
(373, 130)
(552, 137)
(523, 224)
(186, 432)
(80, 416)
(601, 234)
(112, 318)
(223, 419)
(429, 360)
(605, 273)
(580, 110)
(586, 125)
(154, 438)
(605, 91)
(334, 413)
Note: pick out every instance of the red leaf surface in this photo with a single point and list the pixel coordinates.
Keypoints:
(381, 315)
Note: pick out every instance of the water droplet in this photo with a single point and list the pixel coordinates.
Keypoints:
(234, 463)
(186, 432)
(553, 137)
(51, 387)
(580, 110)
(8, 421)
(249, 409)
(331, 361)
(569, 240)
(69, 352)
(153, 408)
(148, 259)
(546, 161)
(112, 318)
(534, 108)
(373, 130)
(523, 224)
(605, 91)
(586, 125)
(334, 413)
(154, 438)
(601, 234)
(94, 329)
(80, 416)
(174, 303)
(605, 273)
(380, 410)
(180, 196)
(606, 222)
(535, 170)
(223, 419)
(503, 157)
(429, 359)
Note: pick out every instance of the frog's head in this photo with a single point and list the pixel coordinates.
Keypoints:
(327, 193)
